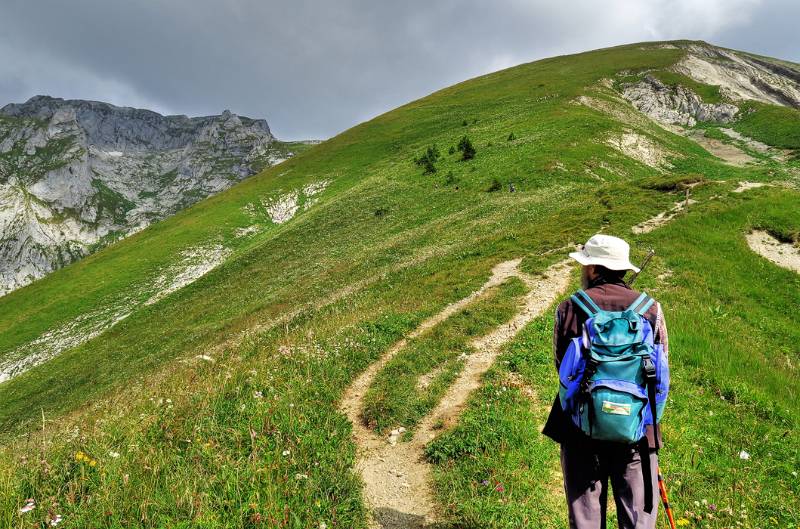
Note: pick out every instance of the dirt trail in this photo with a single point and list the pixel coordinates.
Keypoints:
(396, 478)
(662, 218)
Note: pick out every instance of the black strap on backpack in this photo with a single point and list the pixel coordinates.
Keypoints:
(647, 471)
(647, 474)
(587, 304)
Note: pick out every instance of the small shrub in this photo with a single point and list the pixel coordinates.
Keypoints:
(380, 212)
(494, 186)
(464, 123)
(451, 150)
(449, 179)
(466, 148)
(428, 159)
(511, 137)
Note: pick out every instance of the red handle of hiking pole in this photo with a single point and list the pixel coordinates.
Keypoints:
(662, 489)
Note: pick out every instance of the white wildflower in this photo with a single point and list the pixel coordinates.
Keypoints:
(28, 507)
(744, 455)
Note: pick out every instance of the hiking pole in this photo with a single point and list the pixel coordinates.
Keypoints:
(662, 489)
(649, 256)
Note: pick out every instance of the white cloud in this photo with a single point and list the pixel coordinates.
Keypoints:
(313, 68)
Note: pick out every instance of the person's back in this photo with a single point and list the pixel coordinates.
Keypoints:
(589, 464)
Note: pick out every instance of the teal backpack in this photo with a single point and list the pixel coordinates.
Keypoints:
(613, 378)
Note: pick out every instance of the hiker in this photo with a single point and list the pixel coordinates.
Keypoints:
(604, 433)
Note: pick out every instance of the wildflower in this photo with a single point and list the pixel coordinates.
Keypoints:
(55, 520)
(712, 506)
(499, 488)
(485, 482)
(286, 452)
(323, 525)
(300, 476)
(79, 456)
(258, 395)
(744, 455)
(113, 454)
(30, 505)
(92, 463)
(683, 522)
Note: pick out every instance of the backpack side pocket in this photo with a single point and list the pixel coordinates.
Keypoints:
(570, 373)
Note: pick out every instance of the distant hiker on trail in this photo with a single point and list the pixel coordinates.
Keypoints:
(610, 346)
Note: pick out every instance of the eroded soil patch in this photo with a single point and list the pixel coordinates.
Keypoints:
(781, 253)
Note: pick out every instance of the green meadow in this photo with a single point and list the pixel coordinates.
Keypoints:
(216, 405)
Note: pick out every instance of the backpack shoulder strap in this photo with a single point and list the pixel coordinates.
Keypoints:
(643, 302)
(582, 300)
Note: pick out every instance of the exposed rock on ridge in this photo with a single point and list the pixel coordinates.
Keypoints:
(742, 76)
(675, 105)
(76, 175)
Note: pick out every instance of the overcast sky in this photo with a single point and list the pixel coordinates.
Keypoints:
(315, 68)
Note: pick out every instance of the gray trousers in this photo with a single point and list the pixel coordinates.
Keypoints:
(587, 472)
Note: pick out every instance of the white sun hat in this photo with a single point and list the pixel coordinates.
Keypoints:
(605, 250)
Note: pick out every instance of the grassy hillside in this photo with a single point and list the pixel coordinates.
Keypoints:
(215, 405)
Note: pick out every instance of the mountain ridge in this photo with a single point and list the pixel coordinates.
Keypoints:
(77, 175)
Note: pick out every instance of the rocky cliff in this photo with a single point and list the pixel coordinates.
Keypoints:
(738, 77)
(76, 175)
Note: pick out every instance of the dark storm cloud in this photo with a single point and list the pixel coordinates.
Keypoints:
(315, 68)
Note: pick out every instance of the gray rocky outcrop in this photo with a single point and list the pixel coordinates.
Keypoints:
(675, 105)
(742, 76)
(76, 175)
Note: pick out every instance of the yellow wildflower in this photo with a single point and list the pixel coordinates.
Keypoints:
(92, 463)
(683, 522)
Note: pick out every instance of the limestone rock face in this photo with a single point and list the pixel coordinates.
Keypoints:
(739, 76)
(742, 76)
(675, 105)
(76, 175)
